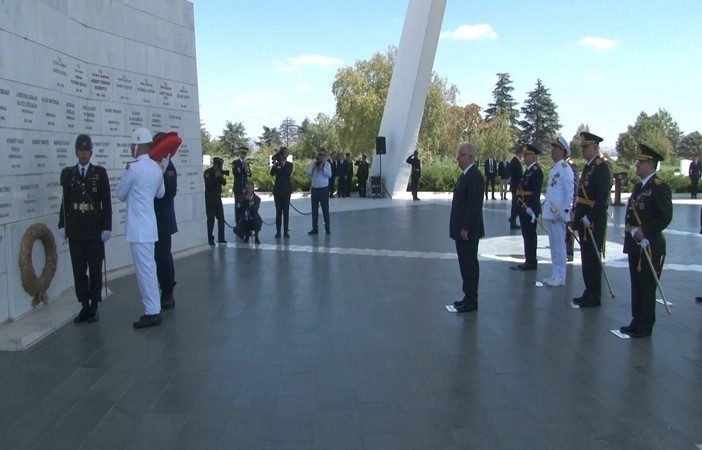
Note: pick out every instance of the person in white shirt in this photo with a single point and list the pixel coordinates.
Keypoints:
(141, 183)
(320, 171)
(556, 209)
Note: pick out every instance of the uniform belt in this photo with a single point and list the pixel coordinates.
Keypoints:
(82, 207)
(522, 193)
(584, 201)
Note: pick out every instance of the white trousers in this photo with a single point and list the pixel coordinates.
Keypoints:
(556, 241)
(145, 269)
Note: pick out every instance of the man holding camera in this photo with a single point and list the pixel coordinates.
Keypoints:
(214, 180)
(282, 188)
(319, 171)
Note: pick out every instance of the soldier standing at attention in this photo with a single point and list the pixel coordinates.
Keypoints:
(85, 220)
(648, 213)
(529, 198)
(413, 160)
(590, 217)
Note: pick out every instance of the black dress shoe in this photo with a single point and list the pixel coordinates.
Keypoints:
(578, 300)
(638, 334)
(222, 241)
(286, 235)
(698, 299)
(628, 329)
(277, 235)
(93, 315)
(588, 304)
(526, 267)
(148, 320)
(328, 231)
(82, 316)
(212, 243)
(458, 303)
(167, 301)
(257, 241)
(466, 308)
(314, 231)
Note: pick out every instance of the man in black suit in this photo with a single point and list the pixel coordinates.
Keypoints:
(490, 175)
(694, 172)
(590, 217)
(515, 176)
(648, 212)
(466, 225)
(282, 189)
(166, 225)
(503, 173)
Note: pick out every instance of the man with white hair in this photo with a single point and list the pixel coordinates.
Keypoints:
(141, 183)
(556, 209)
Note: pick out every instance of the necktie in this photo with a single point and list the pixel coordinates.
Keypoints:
(82, 172)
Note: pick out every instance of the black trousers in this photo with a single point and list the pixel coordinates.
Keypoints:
(414, 183)
(490, 181)
(514, 210)
(694, 182)
(87, 255)
(282, 211)
(643, 290)
(165, 269)
(529, 237)
(215, 210)
(591, 266)
(467, 252)
(320, 196)
(362, 186)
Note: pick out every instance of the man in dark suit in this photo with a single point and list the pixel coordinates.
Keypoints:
(515, 175)
(342, 172)
(648, 212)
(590, 217)
(335, 174)
(166, 225)
(242, 173)
(86, 217)
(466, 225)
(490, 175)
(503, 173)
(529, 199)
(282, 189)
(694, 172)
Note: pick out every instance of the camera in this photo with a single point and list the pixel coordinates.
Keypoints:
(225, 172)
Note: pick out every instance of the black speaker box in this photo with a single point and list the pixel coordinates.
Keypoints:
(380, 145)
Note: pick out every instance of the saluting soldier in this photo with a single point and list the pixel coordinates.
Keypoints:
(529, 200)
(241, 172)
(85, 219)
(590, 217)
(648, 213)
(557, 206)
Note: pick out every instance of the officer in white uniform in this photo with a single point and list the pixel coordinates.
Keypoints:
(141, 183)
(556, 209)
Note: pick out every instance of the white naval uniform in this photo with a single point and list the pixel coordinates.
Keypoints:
(140, 184)
(556, 212)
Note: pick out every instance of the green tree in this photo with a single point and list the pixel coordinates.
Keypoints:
(690, 145)
(210, 146)
(233, 136)
(659, 131)
(436, 136)
(540, 125)
(322, 132)
(504, 103)
(269, 140)
(576, 151)
(496, 137)
(627, 147)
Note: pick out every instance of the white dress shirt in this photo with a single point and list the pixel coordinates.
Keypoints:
(559, 192)
(140, 184)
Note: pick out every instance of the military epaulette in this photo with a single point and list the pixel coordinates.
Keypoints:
(658, 181)
(599, 161)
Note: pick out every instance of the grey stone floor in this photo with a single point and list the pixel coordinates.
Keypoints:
(344, 342)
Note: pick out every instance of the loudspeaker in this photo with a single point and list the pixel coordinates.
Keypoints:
(380, 145)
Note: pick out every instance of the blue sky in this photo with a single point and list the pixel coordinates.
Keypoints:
(603, 61)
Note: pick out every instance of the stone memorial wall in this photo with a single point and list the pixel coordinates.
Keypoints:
(98, 67)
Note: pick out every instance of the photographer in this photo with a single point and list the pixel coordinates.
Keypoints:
(281, 170)
(319, 171)
(247, 208)
(214, 180)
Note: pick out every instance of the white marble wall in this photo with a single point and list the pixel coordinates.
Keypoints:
(97, 67)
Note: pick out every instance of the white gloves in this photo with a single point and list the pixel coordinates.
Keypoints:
(585, 221)
(633, 232)
(644, 243)
(164, 163)
(105, 235)
(62, 232)
(531, 214)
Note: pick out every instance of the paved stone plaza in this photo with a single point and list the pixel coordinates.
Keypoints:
(345, 342)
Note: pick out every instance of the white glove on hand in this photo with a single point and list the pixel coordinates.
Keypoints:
(62, 232)
(644, 243)
(633, 232)
(531, 214)
(585, 221)
(105, 235)
(164, 163)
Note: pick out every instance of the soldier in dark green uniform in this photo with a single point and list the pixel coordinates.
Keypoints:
(648, 213)
(529, 205)
(86, 217)
(591, 214)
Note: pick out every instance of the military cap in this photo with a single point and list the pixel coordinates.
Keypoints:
(83, 142)
(141, 136)
(528, 148)
(216, 161)
(589, 138)
(562, 143)
(646, 153)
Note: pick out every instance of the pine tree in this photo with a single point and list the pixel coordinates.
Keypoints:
(504, 104)
(540, 125)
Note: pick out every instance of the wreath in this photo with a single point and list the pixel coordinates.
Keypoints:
(33, 285)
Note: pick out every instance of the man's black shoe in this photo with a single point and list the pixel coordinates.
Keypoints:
(257, 241)
(457, 303)
(638, 334)
(328, 231)
(93, 315)
(526, 266)
(698, 299)
(578, 300)
(286, 235)
(212, 243)
(82, 316)
(314, 231)
(466, 308)
(277, 235)
(628, 329)
(148, 320)
(222, 241)
(588, 304)
(167, 301)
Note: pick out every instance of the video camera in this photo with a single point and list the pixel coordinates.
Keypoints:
(225, 172)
